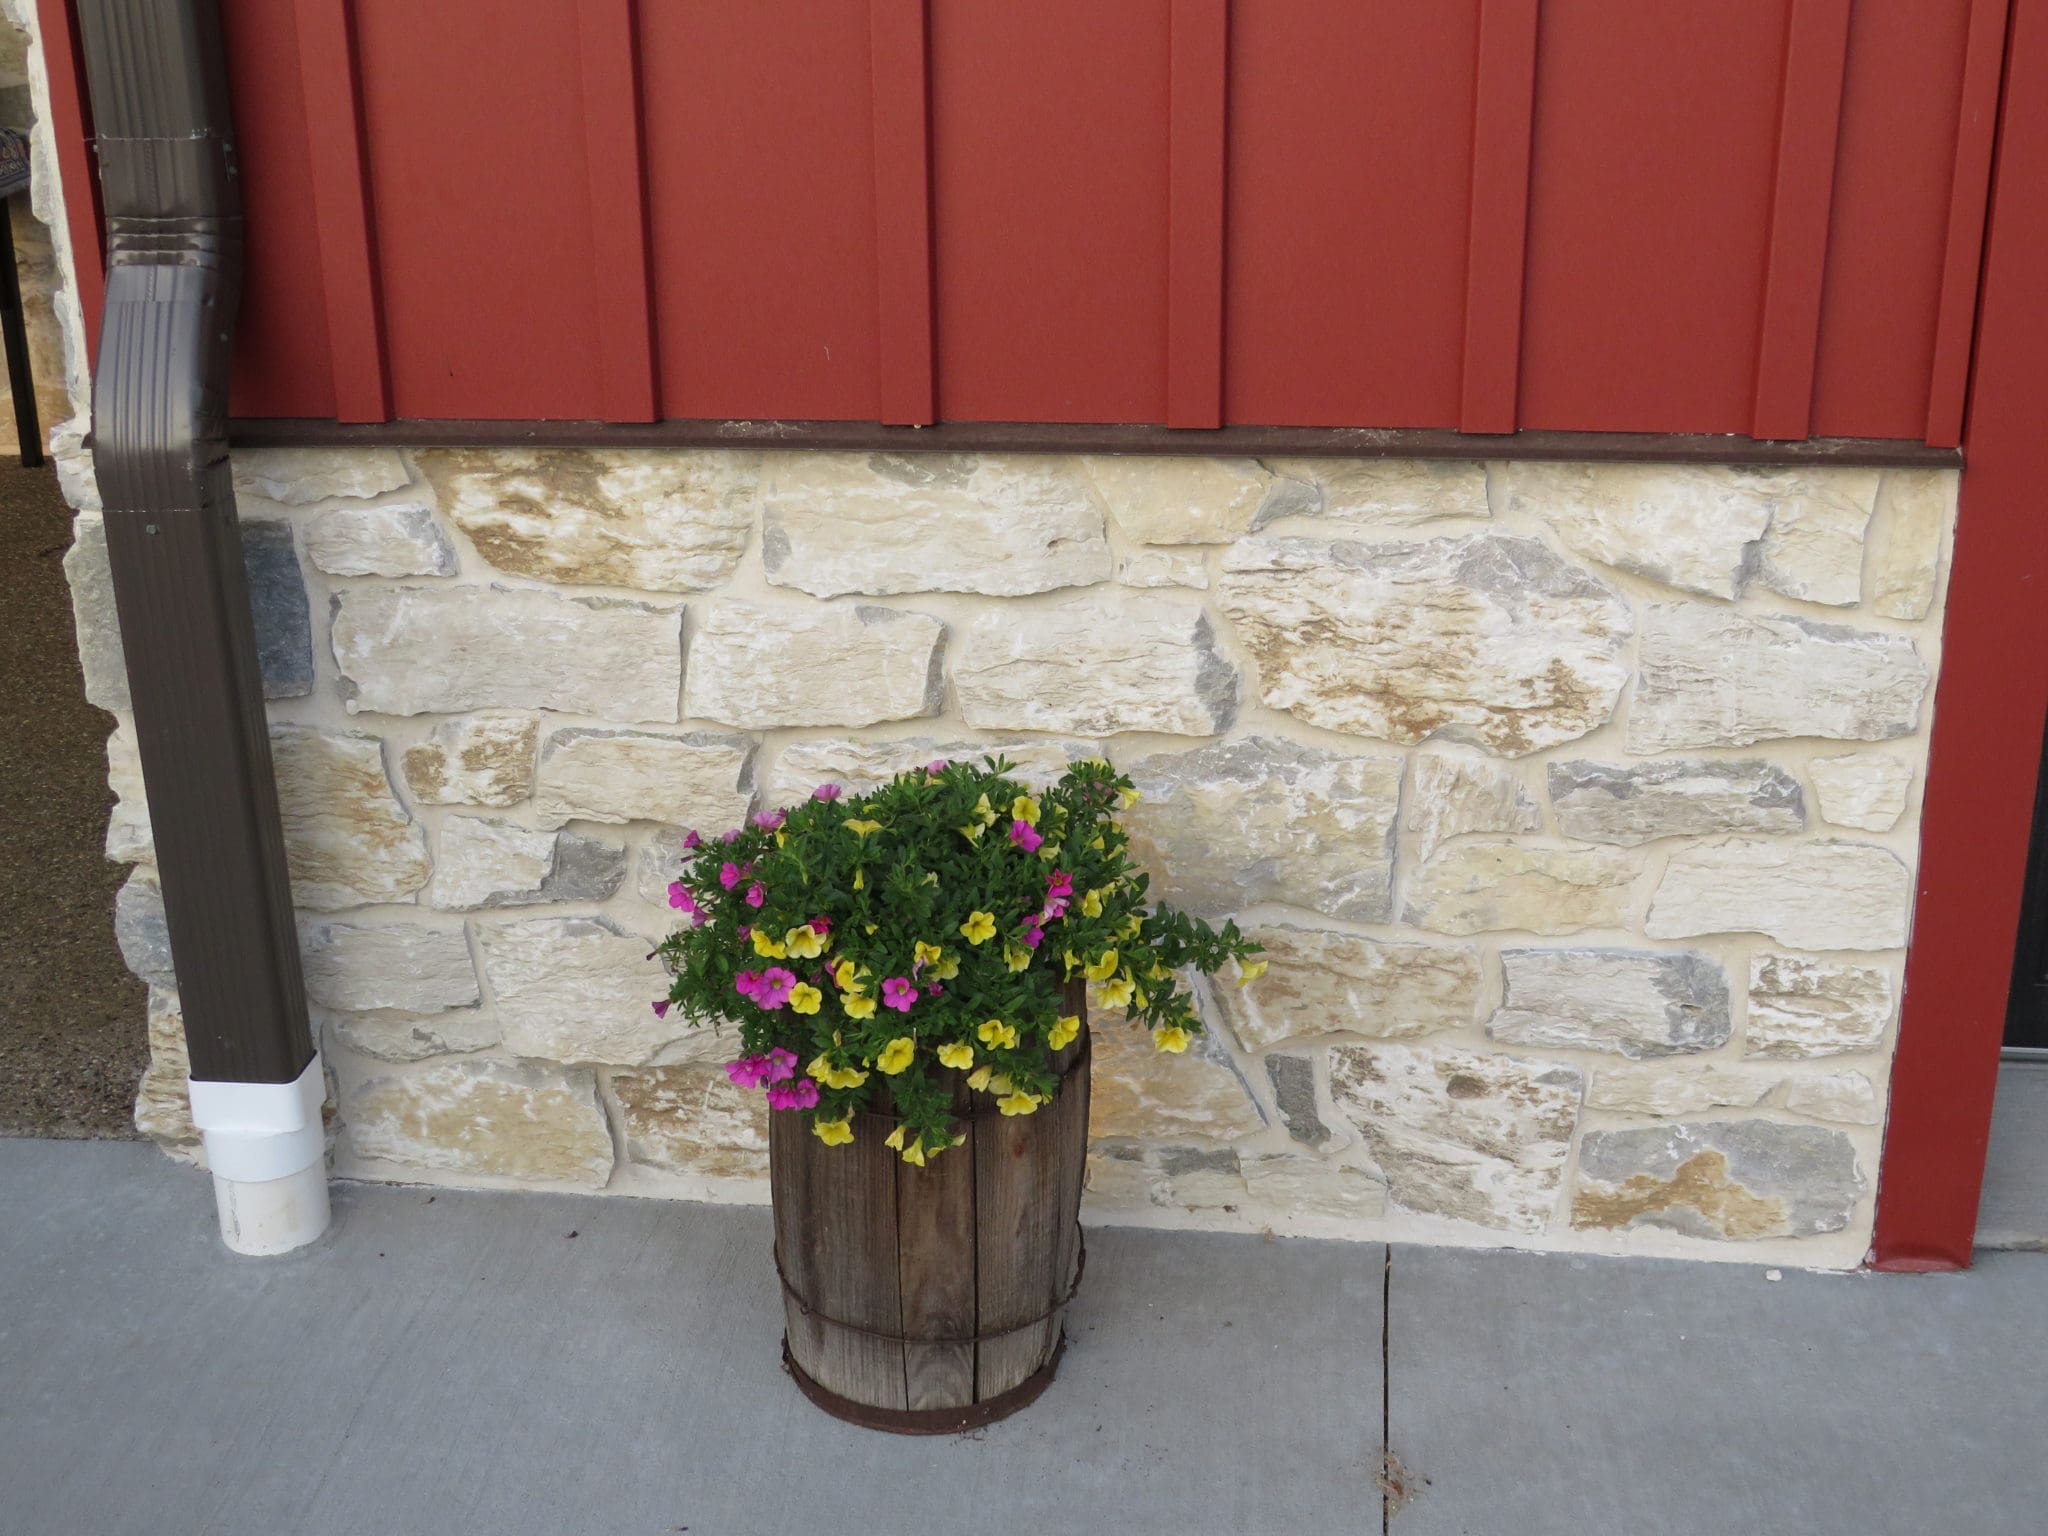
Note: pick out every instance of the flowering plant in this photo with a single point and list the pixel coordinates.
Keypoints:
(924, 931)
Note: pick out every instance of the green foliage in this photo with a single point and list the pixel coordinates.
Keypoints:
(946, 911)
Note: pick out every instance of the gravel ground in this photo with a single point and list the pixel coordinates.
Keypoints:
(72, 1020)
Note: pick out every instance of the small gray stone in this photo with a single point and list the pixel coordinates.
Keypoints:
(93, 614)
(392, 539)
(141, 931)
(1631, 803)
(1637, 1002)
(586, 869)
(277, 603)
(1741, 1179)
(1294, 1090)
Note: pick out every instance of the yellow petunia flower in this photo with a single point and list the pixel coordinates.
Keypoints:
(805, 998)
(1129, 797)
(998, 1036)
(926, 953)
(834, 1133)
(1249, 971)
(1171, 1038)
(781, 837)
(1049, 852)
(1016, 956)
(1091, 904)
(896, 1055)
(1133, 925)
(860, 828)
(843, 975)
(1117, 993)
(835, 1077)
(1024, 809)
(979, 928)
(957, 1054)
(946, 968)
(979, 1078)
(858, 1005)
(1018, 1103)
(767, 948)
(972, 831)
(806, 943)
(894, 1140)
(985, 811)
(914, 1154)
(1102, 967)
(1000, 1084)
(1061, 1035)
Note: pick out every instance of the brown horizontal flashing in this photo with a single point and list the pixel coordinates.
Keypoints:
(1035, 437)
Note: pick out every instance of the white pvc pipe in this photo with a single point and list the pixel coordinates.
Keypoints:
(267, 1149)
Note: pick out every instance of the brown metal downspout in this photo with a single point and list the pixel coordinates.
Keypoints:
(158, 78)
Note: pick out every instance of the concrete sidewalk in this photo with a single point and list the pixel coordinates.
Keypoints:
(448, 1362)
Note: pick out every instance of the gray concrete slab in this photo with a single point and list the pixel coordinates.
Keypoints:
(1596, 1397)
(522, 1363)
(2014, 1211)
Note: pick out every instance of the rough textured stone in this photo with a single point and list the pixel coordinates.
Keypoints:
(392, 1035)
(1452, 794)
(1802, 1007)
(1636, 1002)
(1478, 886)
(1163, 568)
(129, 839)
(360, 967)
(1685, 1090)
(759, 668)
(580, 989)
(1294, 1091)
(399, 538)
(698, 779)
(1739, 1179)
(298, 477)
(445, 650)
(474, 760)
(1695, 529)
(1714, 677)
(485, 862)
(1190, 499)
(659, 864)
(690, 1118)
(1630, 803)
(140, 930)
(1289, 1185)
(277, 604)
(1107, 662)
(1806, 895)
(884, 523)
(660, 520)
(163, 1100)
(1123, 1178)
(347, 838)
(1848, 1097)
(1862, 789)
(1814, 549)
(1201, 1178)
(1903, 565)
(1478, 1137)
(1322, 982)
(1262, 819)
(858, 766)
(1379, 494)
(1146, 1094)
(1487, 639)
(512, 1120)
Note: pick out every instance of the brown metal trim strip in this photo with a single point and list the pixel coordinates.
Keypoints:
(1057, 437)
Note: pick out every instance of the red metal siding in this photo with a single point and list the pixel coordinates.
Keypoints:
(1703, 216)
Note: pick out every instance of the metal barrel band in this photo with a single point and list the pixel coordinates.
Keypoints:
(1073, 1290)
(926, 1421)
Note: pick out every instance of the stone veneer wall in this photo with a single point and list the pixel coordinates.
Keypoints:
(1577, 805)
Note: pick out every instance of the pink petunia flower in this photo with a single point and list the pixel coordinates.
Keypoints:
(1025, 836)
(801, 1094)
(692, 840)
(1033, 936)
(746, 1072)
(768, 821)
(661, 1009)
(938, 767)
(822, 925)
(781, 1065)
(730, 874)
(747, 984)
(756, 894)
(733, 836)
(826, 792)
(934, 989)
(776, 985)
(899, 992)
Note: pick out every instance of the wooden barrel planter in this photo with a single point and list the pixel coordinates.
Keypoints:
(930, 1300)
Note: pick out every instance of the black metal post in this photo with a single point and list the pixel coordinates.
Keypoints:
(21, 379)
